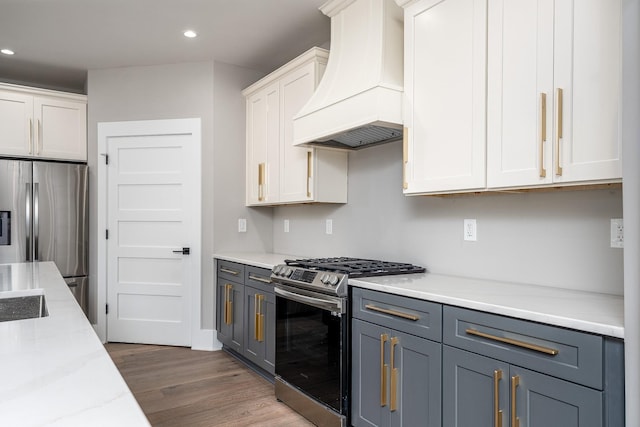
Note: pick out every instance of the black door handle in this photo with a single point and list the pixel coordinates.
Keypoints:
(184, 251)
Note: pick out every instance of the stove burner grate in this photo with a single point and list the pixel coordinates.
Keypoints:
(356, 267)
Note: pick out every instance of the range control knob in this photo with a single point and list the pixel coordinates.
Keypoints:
(333, 280)
(276, 270)
(288, 272)
(324, 278)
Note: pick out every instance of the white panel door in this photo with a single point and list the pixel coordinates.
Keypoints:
(588, 70)
(60, 129)
(520, 93)
(445, 89)
(16, 124)
(153, 212)
(295, 163)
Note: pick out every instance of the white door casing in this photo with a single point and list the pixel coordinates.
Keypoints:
(149, 200)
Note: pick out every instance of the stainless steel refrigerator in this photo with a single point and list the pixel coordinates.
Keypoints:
(43, 217)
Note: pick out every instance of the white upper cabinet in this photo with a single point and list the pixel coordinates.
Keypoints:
(43, 124)
(554, 82)
(445, 95)
(277, 171)
(503, 94)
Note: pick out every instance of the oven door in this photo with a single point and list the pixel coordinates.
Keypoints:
(311, 344)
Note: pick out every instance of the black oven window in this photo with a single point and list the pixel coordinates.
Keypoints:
(308, 350)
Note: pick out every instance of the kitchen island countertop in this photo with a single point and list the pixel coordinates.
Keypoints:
(592, 312)
(54, 370)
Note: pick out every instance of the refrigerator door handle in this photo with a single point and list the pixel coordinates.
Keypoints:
(28, 221)
(36, 221)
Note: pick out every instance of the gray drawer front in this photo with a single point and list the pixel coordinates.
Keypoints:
(578, 359)
(230, 270)
(387, 309)
(259, 278)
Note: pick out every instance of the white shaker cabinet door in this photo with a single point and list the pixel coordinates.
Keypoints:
(295, 162)
(16, 124)
(520, 93)
(263, 133)
(60, 129)
(588, 71)
(445, 95)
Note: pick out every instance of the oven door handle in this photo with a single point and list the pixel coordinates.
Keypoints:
(328, 305)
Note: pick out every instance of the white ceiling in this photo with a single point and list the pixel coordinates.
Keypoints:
(57, 41)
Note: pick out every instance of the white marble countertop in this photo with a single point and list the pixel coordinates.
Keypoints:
(585, 311)
(54, 371)
(256, 259)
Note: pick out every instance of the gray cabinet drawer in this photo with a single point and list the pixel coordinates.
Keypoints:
(230, 271)
(259, 278)
(410, 315)
(562, 353)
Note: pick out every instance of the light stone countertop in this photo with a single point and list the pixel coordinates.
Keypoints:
(54, 371)
(585, 311)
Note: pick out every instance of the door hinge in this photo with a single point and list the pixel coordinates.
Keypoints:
(106, 234)
(106, 309)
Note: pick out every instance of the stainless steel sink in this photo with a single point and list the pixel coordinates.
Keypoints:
(22, 307)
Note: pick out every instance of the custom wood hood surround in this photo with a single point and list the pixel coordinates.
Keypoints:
(358, 102)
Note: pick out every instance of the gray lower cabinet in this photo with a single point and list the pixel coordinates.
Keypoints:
(500, 371)
(245, 313)
(260, 319)
(478, 391)
(230, 314)
(396, 376)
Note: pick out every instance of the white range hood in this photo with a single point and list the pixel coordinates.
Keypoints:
(358, 102)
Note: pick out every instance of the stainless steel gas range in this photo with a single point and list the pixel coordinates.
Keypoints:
(312, 332)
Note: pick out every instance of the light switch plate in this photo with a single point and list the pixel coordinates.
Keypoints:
(286, 225)
(329, 226)
(242, 225)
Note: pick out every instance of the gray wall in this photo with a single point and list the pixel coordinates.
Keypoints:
(184, 91)
(554, 238)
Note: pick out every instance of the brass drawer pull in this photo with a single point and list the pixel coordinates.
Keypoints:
(517, 343)
(497, 412)
(559, 124)
(259, 279)
(392, 312)
(543, 132)
(226, 270)
(394, 376)
(515, 421)
(383, 371)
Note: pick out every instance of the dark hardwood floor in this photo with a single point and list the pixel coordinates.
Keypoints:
(176, 386)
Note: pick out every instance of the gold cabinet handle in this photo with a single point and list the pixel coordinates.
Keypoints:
(392, 312)
(259, 279)
(309, 165)
(232, 272)
(261, 168)
(559, 126)
(383, 371)
(256, 316)
(405, 156)
(497, 412)
(394, 376)
(228, 305)
(515, 421)
(261, 321)
(543, 132)
(517, 343)
(38, 137)
(30, 136)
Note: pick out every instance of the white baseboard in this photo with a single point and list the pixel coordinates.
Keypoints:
(205, 339)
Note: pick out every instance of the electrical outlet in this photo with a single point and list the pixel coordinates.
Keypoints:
(286, 225)
(242, 225)
(329, 226)
(617, 233)
(470, 230)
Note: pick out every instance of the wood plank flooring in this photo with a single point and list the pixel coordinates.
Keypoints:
(177, 386)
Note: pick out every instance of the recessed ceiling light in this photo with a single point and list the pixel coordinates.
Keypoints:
(191, 34)
(7, 51)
